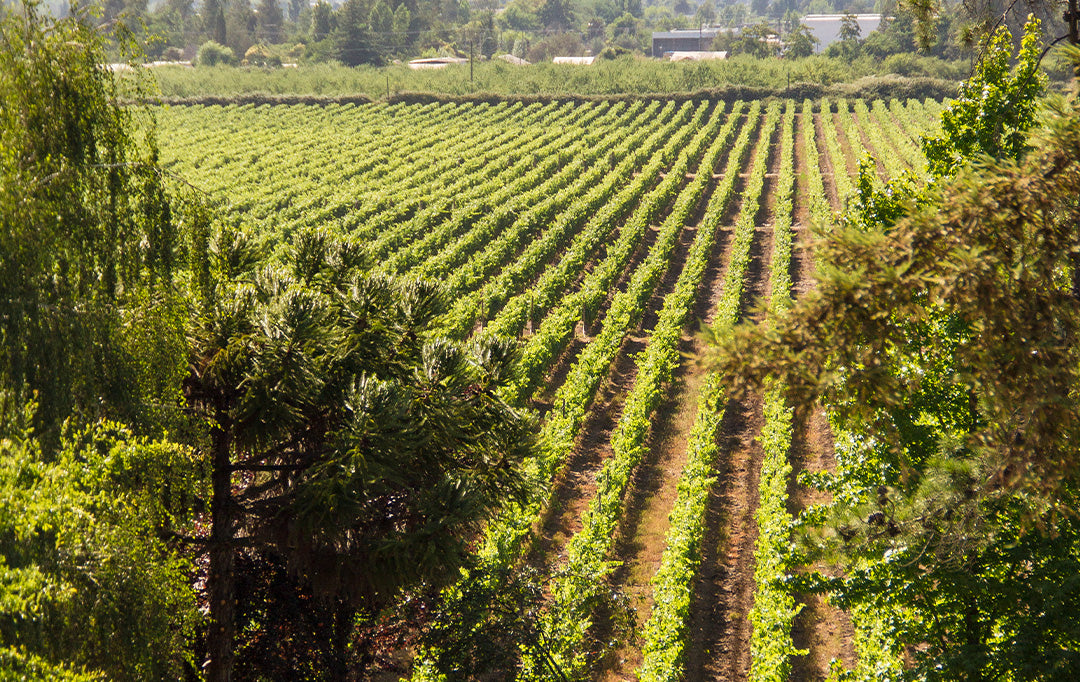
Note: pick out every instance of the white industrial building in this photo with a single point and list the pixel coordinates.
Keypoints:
(826, 27)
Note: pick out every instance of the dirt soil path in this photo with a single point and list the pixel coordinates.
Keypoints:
(724, 589)
(824, 630)
(820, 628)
(575, 487)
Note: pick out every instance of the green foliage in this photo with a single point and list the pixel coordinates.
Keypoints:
(606, 77)
(17, 664)
(86, 575)
(800, 43)
(759, 40)
(87, 232)
(774, 611)
(576, 592)
(995, 106)
(372, 453)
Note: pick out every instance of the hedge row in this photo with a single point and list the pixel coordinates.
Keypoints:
(872, 87)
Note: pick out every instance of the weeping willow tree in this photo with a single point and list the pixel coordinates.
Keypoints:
(91, 330)
(89, 241)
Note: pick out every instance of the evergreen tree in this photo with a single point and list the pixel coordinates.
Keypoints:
(401, 24)
(322, 20)
(213, 16)
(269, 22)
(381, 24)
(556, 15)
(340, 439)
(240, 25)
(353, 43)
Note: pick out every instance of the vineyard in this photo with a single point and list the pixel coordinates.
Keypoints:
(602, 235)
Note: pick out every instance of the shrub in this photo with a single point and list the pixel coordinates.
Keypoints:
(259, 55)
(212, 53)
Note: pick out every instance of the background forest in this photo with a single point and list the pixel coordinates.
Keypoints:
(915, 39)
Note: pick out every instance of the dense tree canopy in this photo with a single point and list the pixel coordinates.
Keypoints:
(342, 439)
(88, 240)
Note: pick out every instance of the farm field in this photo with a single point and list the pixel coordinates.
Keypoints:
(603, 235)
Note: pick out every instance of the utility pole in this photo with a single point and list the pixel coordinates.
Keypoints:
(470, 58)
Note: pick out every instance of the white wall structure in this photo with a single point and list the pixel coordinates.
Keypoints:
(826, 27)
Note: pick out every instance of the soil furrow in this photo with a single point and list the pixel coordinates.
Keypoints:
(822, 629)
(576, 486)
(724, 589)
(827, 169)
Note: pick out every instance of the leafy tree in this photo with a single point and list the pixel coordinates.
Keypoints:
(381, 23)
(895, 35)
(240, 25)
(352, 35)
(89, 236)
(706, 13)
(1010, 99)
(759, 40)
(212, 54)
(401, 23)
(556, 15)
(128, 12)
(91, 322)
(295, 8)
(213, 16)
(519, 16)
(942, 335)
(624, 33)
(849, 28)
(322, 20)
(340, 439)
(850, 44)
(780, 8)
(88, 578)
(800, 42)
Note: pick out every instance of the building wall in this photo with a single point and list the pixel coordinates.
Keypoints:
(826, 27)
(684, 41)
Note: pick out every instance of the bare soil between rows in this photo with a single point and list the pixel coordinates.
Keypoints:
(723, 593)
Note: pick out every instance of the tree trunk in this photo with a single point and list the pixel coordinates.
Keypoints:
(221, 582)
(344, 615)
(973, 640)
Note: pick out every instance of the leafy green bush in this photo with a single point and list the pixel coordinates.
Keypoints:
(213, 54)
